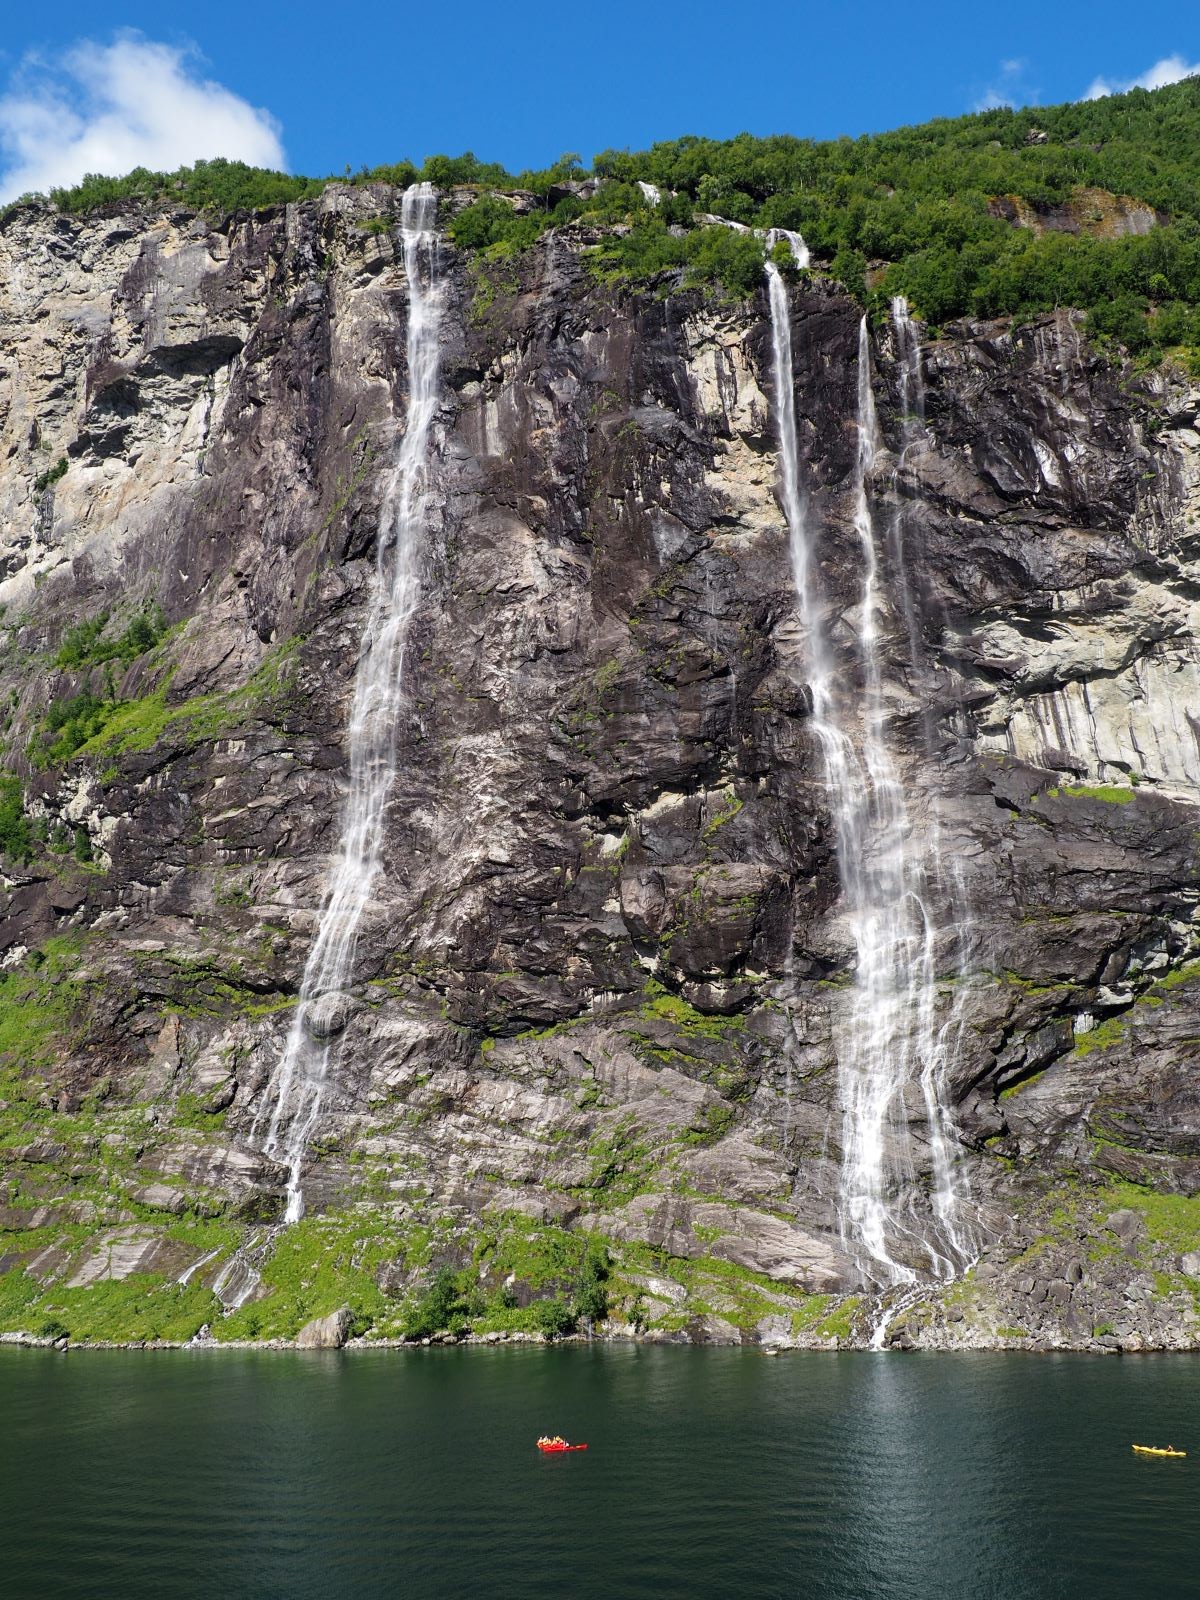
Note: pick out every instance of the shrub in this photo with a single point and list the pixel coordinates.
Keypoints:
(439, 1307)
(84, 644)
(51, 475)
(591, 1295)
(217, 185)
(491, 224)
(16, 834)
(553, 1317)
(71, 722)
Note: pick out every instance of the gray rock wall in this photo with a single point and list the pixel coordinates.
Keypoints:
(605, 963)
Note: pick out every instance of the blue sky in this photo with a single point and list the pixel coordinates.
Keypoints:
(322, 86)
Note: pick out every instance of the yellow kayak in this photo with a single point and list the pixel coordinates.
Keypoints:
(1151, 1450)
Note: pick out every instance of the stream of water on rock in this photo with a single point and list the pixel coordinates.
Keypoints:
(303, 1074)
(889, 1042)
(711, 1473)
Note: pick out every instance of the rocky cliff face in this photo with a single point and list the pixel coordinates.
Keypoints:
(606, 961)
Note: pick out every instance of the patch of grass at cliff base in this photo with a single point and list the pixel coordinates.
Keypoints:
(142, 1306)
(317, 1265)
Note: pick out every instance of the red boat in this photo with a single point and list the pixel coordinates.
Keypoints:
(556, 1446)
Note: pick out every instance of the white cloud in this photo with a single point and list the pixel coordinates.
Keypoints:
(1008, 88)
(110, 108)
(1169, 70)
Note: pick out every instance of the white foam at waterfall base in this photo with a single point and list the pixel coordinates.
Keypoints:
(889, 1039)
(303, 1074)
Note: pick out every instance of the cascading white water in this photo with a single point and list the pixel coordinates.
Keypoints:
(889, 1041)
(650, 191)
(302, 1076)
(795, 243)
(908, 353)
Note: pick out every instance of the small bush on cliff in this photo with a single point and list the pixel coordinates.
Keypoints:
(85, 646)
(16, 834)
(491, 224)
(67, 725)
(51, 475)
(710, 255)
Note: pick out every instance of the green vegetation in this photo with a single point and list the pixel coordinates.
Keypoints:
(839, 1324)
(1188, 973)
(1172, 1220)
(928, 201)
(709, 254)
(728, 810)
(1111, 794)
(439, 1308)
(1108, 1032)
(141, 1306)
(681, 1014)
(67, 727)
(217, 185)
(51, 475)
(37, 1002)
(16, 831)
(1011, 1089)
(317, 1265)
(1000, 213)
(85, 646)
(591, 1292)
(85, 724)
(565, 1277)
(553, 1317)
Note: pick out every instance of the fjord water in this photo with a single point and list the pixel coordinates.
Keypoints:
(711, 1473)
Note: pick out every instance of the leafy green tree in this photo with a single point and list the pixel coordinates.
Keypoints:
(591, 1292)
(553, 1317)
(439, 1308)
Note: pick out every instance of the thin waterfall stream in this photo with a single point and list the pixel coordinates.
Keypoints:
(302, 1078)
(889, 1043)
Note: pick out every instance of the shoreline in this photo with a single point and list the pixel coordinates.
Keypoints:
(30, 1341)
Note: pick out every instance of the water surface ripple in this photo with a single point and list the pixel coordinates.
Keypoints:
(710, 1473)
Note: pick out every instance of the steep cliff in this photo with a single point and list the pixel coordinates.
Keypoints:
(606, 961)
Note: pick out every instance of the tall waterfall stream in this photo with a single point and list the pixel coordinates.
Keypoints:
(302, 1077)
(890, 1043)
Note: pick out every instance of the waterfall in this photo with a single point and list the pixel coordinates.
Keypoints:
(889, 1042)
(302, 1076)
(908, 353)
(651, 192)
(912, 415)
(795, 243)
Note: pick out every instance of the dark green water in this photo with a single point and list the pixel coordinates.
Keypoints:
(711, 1472)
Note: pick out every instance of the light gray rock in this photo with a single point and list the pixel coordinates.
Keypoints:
(326, 1333)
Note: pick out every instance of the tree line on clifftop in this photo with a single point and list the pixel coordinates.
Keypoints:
(925, 211)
